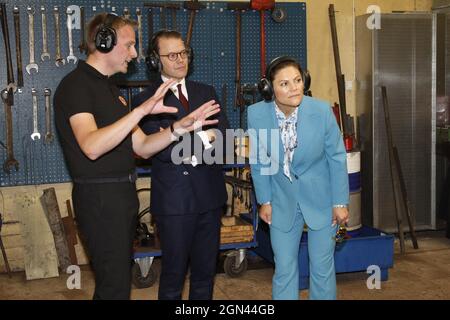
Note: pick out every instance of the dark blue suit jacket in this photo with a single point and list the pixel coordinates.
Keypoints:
(183, 189)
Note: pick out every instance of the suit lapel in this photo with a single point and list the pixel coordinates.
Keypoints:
(171, 100)
(274, 125)
(303, 129)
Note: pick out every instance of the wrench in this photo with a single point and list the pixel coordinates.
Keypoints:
(5, 31)
(48, 125)
(126, 13)
(44, 53)
(35, 135)
(32, 64)
(16, 14)
(10, 162)
(82, 45)
(71, 56)
(141, 56)
(58, 59)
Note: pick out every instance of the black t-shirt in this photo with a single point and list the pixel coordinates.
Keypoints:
(87, 90)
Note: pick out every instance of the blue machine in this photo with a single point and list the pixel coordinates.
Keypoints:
(364, 247)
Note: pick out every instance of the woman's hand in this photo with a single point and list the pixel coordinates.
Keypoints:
(340, 216)
(265, 213)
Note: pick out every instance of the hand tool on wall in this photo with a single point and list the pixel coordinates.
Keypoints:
(71, 56)
(239, 102)
(8, 102)
(141, 55)
(32, 64)
(35, 135)
(192, 6)
(398, 183)
(16, 14)
(82, 45)
(4, 22)
(173, 12)
(48, 113)
(126, 13)
(59, 60)
(45, 53)
(150, 23)
(261, 6)
(5, 258)
(337, 62)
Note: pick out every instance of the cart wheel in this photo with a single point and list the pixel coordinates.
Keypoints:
(229, 266)
(141, 282)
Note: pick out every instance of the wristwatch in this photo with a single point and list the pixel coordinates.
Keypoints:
(340, 206)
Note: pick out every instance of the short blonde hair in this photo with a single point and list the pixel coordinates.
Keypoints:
(104, 19)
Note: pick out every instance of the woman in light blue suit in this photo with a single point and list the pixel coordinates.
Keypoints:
(299, 171)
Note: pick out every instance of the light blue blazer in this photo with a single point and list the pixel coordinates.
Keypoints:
(318, 170)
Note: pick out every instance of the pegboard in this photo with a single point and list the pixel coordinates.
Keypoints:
(213, 41)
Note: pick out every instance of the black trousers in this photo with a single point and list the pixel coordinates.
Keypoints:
(106, 214)
(189, 240)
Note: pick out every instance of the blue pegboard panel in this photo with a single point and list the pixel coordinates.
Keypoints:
(213, 41)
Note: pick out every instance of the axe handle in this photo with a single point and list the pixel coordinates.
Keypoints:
(263, 43)
(190, 27)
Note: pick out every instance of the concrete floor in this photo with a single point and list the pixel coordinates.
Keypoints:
(417, 274)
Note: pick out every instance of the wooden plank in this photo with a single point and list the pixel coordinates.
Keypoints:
(40, 259)
(236, 239)
(11, 229)
(51, 208)
(240, 225)
(15, 259)
(13, 241)
(237, 233)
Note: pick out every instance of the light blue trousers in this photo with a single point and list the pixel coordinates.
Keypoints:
(322, 276)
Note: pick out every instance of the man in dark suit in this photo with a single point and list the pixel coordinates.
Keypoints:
(187, 199)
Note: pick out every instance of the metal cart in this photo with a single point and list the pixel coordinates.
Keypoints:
(235, 262)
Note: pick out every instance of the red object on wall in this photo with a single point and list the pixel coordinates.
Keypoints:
(348, 142)
(337, 114)
(262, 4)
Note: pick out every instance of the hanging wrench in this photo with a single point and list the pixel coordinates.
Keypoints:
(126, 13)
(32, 64)
(35, 135)
(16, 14)
(82, 45)
(44, 53)
(141, 56)
(48, 113)
(5, 31)
(7, 98)
(71, 56)
(58, 59)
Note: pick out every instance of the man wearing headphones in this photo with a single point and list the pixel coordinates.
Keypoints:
(307, 181)
(187, 199)
(99, 138)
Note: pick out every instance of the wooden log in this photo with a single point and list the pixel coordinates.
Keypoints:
(51, 209)
(40, 258)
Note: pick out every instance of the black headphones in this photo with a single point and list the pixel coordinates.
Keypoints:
(106, 37)
(265, 85)
(153, 60)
